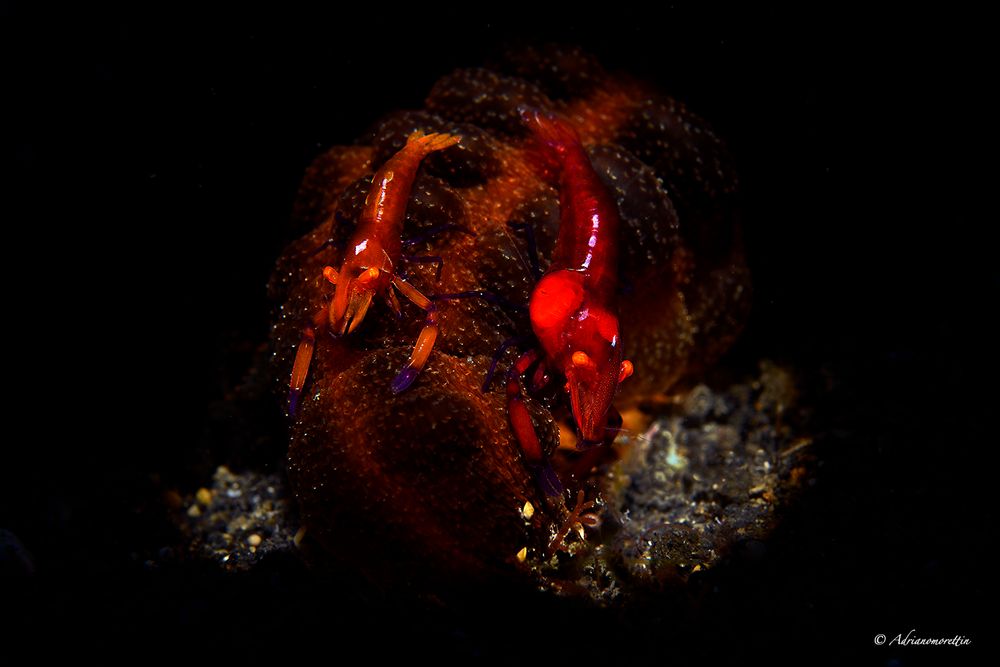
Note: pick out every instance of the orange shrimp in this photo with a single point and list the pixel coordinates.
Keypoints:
(369, 266)
(572, 308)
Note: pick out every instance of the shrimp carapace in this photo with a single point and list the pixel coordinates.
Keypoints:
(371, 261)
(572, 308)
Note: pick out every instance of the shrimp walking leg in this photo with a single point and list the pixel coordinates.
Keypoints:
(303, 357)
(427, 259)
(510, 342)
(529, 236)
(524, 428)
(425, 341)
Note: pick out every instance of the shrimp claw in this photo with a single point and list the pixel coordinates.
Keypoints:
(524, 428)
(425, 341)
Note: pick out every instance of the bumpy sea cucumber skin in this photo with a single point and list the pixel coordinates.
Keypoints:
(434, 472)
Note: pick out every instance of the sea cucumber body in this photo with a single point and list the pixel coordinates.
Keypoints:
(434, 473)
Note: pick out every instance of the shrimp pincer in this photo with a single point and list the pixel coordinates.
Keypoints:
(572, 308)
(370, 263)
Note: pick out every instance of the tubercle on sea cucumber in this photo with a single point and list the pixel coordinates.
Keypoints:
(434, 473)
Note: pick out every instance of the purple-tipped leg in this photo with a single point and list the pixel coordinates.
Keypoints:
(548, 480)
(404, 379)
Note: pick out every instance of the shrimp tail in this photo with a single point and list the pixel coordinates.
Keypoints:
(424, 144)
(551, 138)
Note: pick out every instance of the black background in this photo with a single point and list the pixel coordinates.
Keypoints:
(155, 158)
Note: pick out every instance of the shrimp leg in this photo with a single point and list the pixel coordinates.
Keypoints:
(304, 353)
(425, 341)
(427, 259)
(524, 428)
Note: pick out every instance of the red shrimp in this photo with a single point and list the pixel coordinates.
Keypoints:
(369, 267)
(572, 308)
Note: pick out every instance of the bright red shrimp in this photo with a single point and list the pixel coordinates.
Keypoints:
(572, 308)
(370, 261)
